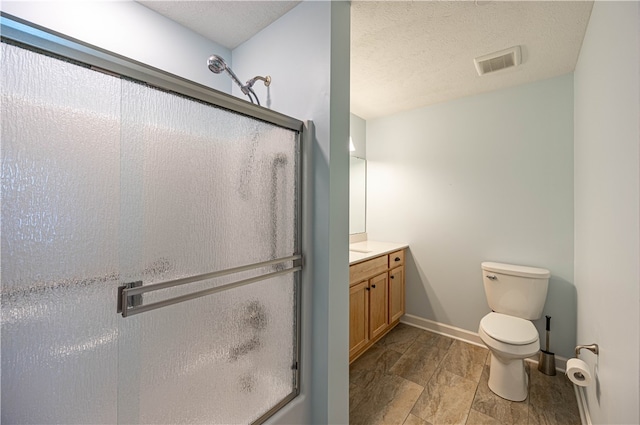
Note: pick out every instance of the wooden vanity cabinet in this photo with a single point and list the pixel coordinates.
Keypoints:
(396, 293)
(396, 285)
(376, 300)
(358, 317)
(378, 305)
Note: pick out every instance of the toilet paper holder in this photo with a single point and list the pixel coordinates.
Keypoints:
(593, 348)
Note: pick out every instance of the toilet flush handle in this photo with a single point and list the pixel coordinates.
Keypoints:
(491, 276)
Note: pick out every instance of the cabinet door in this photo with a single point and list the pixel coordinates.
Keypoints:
(396, 293)
(378, 304)
(358, 317)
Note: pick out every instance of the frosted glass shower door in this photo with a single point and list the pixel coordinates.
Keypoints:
(206, 190)
(107, 182)
(60, 240)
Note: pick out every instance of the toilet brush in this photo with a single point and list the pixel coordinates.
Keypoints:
(547, 360)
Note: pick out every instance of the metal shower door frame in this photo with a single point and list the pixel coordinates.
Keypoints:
(43, 40)
(61, 45)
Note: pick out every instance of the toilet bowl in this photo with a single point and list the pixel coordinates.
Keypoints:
(516, 295)
(510, 340)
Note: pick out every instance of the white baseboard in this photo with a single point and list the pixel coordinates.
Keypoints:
(443, 329)
(465, 336)
(585, 417)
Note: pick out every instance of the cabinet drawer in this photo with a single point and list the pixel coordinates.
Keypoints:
(396, 259)
(369, 268)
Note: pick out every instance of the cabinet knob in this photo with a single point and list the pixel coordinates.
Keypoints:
(397, 259)
(393, 277)
(367, 288)
(373, 286)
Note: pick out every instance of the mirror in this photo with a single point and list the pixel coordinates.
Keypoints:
(357, 195)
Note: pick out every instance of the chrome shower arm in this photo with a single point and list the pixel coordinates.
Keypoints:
(267, 80)
(217, 64)
(248, 90)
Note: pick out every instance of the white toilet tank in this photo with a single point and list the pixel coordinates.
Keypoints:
(518, 291)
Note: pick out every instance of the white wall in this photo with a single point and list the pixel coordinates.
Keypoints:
(357, 176)
(357, 195)
(307, 54)
(358, 132)
(297, 51)
(483, 178)
(607, 195)
(131, 30)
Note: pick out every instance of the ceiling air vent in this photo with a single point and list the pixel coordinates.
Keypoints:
(499, 60)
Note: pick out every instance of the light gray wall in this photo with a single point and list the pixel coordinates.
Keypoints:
(607, 197)
(306, 54)
(131, 30)
(358, 132)
(483, 178)
(310, 81)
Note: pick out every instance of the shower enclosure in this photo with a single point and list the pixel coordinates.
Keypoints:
(150, 244)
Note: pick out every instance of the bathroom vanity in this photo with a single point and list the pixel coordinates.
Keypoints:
(376, 292)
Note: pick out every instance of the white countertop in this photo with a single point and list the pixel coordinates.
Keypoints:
(361, 251)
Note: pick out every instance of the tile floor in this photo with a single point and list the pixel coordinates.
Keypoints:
(415, 377)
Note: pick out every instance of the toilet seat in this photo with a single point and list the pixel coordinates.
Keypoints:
(506, 349)
(509, 329)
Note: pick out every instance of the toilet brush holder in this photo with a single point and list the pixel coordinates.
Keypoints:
(547, 363)
(547, 359)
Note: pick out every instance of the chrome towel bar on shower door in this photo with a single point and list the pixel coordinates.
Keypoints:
(130, 295)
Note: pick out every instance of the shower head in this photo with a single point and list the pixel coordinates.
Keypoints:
(216, 64)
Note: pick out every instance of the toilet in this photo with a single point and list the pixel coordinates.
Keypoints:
(516, 295)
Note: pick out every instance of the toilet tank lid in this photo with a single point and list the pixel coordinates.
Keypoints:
(514, 270)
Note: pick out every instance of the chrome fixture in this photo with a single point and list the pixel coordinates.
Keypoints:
(216, 65)
(593, 348)
(130, 299)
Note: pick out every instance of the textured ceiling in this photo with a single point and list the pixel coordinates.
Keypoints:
(229, 23)
(408, 54)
